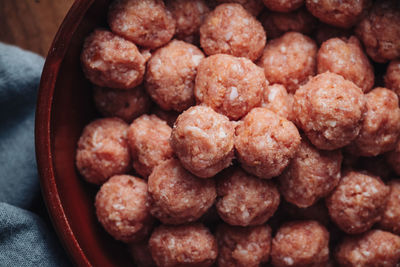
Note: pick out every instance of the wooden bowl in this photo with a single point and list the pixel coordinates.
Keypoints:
(64, 107)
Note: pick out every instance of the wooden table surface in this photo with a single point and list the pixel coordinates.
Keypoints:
(31, 24)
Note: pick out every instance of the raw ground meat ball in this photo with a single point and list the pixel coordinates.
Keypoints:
(141, 254)
(148, 138)
(346, 58)
(183, 246)
(278, 100)
(391, 215)
(111, 61)
(169, 116)
(253, 6)
(300, 243)
(357, 202)
(311, 175)
(145, 22)
(265, 143)
(103, 150)
(170, 75)
(176, 196)
(231, 86)
(277, 23)
(121, 207)
(329, 109)
(203, 141)
(283, 5)
(339, 13)
(392, 76)
(393, 158)
(380, 31)
(325, 32)
(290, 60)
(381, 124)
(375, 248)
(244, 199)
(230, 29)
(243, 246)
(123, 104)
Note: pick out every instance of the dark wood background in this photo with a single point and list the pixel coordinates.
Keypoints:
(31, 24)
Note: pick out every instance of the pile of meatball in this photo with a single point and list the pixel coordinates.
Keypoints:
(247, 132)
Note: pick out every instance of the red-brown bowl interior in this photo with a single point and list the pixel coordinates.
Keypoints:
(64, 108)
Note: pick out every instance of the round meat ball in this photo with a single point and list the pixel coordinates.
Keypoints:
(243, 246)
(329, 109)
(278, 100)
(381, 124)
(325, 32)
(290, 60)
(380, 31)
(121, 207)
(231, 86)
(203, 141)
(169, 116)
(374, 248)
(277, 23)
(339, 13)
(265, 143)
(103, 150)
(171, 73)
(111, 61)
(283, 5)
(183, 246)
(230, 29)
(176, 196)
(189, 16)
(357, 202)
(245, 200)
(346, 58)
(391, 215)
(141, 254)
(126, 105)
(148, 138)
(252, 6)
(393, 158)
(300, 243)
(311, 175)
(392, 76)
(145, 22)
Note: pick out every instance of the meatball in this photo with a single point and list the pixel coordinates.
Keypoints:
(189, 15)
(278, 100)
(243, 246)
(325, 32)
(231, 86)
(148, 138)
(103, 150)
(265, 143)
(203, 141)
(374, 248)
(111, 61)
(290, 60)
(170, 75)
(230, 29)
(339, 13)
(311, 175)
(357, 202)
(380, 31)
(392, 76)
(283, 5)
(277, 23)
(121, 207)
(391, 215)
(393, 158)
(176, 196)
(145, 22)
(329, 109)
(245, 200)
(300, 243)
(346, 58)
(126, 105)
(252, 6)
(141, 254)
(169, 116)
(183, 246)
(381, 124)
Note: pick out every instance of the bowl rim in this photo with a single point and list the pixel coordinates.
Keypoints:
(44, 157)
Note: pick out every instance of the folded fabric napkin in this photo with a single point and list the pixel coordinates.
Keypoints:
(26, 236)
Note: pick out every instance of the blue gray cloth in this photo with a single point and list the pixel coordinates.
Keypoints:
(26, 236)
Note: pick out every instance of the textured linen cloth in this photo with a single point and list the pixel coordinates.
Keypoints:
(26, 236)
